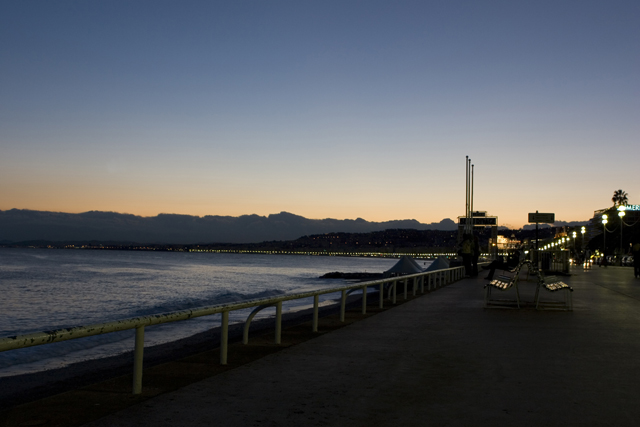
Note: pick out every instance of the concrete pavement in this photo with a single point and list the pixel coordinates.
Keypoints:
(438, 360)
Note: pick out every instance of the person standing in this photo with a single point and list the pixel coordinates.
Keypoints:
(467, 253)
(635, 251)
(475, 255)
(512, 262)
(603, 260)
(587, 258)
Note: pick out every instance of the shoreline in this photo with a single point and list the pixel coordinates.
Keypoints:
(423, 255)
(23, 388)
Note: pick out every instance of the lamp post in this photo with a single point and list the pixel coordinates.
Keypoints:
(604, 234)
(582, 230)
(621, 215)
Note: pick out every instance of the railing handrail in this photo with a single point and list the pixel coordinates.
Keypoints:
(64, 334)
(139, 323)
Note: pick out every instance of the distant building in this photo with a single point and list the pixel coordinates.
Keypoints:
(506, 243)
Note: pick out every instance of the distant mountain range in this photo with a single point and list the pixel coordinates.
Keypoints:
(18, 225)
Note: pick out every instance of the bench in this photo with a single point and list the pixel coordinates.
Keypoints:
(553, 284)
(504, 282)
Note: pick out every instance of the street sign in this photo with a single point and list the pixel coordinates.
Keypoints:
(545, 218)
(480, 221)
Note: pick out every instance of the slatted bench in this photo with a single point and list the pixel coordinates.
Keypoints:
(553, 284)
(503, 283)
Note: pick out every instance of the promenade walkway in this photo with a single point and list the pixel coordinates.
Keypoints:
(441, 360)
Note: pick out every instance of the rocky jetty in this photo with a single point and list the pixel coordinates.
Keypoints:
(352, 276)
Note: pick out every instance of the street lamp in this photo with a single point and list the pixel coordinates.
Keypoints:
(604, 233)
(583, 230)
(621, 215)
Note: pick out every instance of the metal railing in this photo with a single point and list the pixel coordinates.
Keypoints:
(437, 278)
(557, 260)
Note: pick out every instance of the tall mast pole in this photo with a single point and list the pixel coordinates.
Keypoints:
(471, 209)
(466, 209)
(468, 224)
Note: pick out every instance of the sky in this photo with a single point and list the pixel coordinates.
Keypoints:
(325, 109)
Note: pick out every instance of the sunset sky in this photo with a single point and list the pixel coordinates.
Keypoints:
(325, 109)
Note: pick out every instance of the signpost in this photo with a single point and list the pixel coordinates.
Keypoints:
(479, 221)
(545, 218)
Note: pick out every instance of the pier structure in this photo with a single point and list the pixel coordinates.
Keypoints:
(473, 219)
(480, 219)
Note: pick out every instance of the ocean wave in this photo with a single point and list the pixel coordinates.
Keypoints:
(102, 286)
(224, 297)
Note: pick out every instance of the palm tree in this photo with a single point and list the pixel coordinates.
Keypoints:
(619, 198)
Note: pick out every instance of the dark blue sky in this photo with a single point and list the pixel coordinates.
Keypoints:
(338, 109)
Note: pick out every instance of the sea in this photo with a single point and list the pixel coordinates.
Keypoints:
(48, 289)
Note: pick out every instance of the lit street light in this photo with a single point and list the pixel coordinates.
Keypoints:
(604, 233)
(621, 215)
